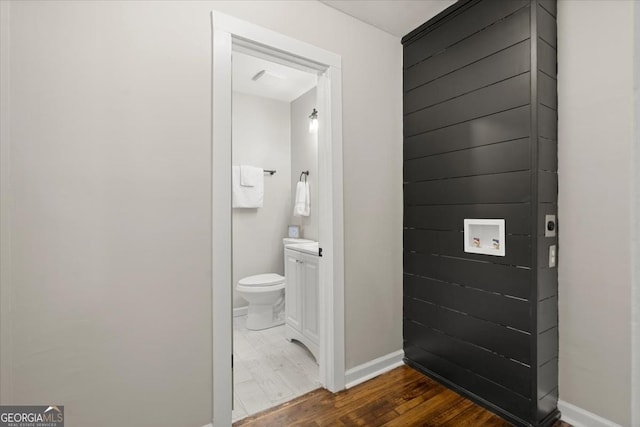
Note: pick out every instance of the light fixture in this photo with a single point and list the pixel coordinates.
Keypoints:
(313, 121)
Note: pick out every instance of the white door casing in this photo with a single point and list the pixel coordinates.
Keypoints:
(231, 34)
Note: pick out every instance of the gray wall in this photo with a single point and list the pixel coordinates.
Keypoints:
(110, 212)
(110, 200)
(595, 134)
(261, 137)
(304, 156)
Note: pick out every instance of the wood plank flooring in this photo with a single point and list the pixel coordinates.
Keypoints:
(402, 397)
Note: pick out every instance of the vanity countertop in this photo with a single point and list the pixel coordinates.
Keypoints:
(307, 248)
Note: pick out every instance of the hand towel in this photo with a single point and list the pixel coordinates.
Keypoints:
(303, 198)
(250, 175)
(246, 197)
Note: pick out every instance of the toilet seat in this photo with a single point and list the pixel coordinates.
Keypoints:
(261, 283)
(268, 280)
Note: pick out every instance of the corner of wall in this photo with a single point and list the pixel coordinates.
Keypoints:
(6, 373)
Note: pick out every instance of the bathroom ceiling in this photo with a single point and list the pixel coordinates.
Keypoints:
(256, 76)
(397, 17)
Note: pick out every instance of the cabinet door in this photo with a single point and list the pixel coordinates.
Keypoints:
(292, 279)
(310, 300)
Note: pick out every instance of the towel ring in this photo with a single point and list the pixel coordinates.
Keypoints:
(306, 174)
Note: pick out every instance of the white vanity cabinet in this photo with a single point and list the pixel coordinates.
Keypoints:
(301, 298)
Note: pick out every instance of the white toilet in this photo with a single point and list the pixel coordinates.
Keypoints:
(265, 294)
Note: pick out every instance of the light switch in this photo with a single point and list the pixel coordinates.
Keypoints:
(552, 256)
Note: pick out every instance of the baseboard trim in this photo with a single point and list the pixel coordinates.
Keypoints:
(373, 368)
(240, 311)
(579, 417)
(208, 425)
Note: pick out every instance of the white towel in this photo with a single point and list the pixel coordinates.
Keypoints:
(246, 197)
(250, 175)
(302, 203)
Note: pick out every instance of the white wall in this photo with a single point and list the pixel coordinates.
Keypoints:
(595, 133)
(110, 117)
(304, 156)
(261, 137)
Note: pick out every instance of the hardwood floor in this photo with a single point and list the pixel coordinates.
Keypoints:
(401, 397)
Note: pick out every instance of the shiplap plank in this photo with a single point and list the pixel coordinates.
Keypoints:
(547, 155)
(451, 243)
(483, 305)
(505, 95)
(512, 187)
(469, 22)
(546, 26)
(547, 345)
(451, 217)
(499, 66)
(547, 94)
(493, 39)
(499, 127)
(499, 339)
(486, 276)
(547, 59)
(508, 156)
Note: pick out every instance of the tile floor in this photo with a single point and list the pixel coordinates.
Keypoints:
(268, 369)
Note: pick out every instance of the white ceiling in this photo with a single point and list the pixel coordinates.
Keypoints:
(278, 82)
(397, 17)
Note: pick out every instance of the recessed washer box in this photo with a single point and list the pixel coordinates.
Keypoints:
(484, 236)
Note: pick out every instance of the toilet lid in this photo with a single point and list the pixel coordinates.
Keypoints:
(268, 279)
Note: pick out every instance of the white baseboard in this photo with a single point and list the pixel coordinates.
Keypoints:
(240, 311)
(208, 425)
(579, 417)
(373, 368)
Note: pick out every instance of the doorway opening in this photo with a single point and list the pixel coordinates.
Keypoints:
(236, 40)
(274, 146)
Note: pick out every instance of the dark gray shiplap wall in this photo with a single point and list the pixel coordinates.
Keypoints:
(480, 142)
(546, 290)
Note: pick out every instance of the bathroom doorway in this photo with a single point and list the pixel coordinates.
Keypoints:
(274, 153)
(232, 39)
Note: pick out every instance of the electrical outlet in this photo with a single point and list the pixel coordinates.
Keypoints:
(550, 226)
(552, 256)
